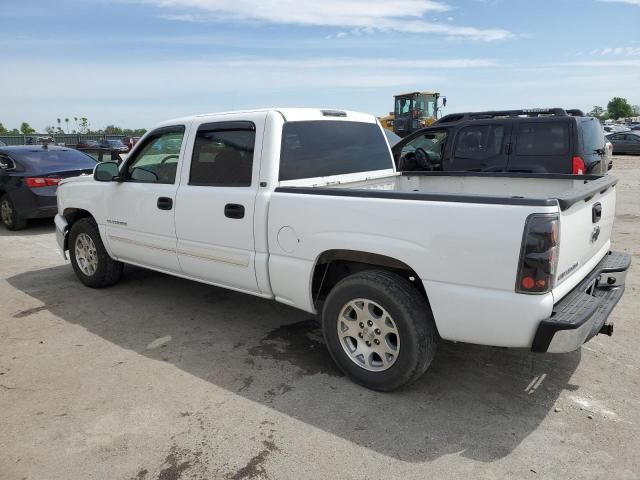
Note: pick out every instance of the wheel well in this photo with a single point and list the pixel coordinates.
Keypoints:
(334, 265)
(72, 215)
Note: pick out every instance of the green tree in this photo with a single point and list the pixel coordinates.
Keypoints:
(597, 112)
(618, 107)
(26, 129)
(84, 125)
(112, 130)
(3, 131)
(634, 108)
(50, 129)
(15, 131)
(66, 120)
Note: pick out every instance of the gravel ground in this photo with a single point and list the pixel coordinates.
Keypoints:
(162, 378)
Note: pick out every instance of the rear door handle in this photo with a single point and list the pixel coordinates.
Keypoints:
(233, 210)
(165, 203)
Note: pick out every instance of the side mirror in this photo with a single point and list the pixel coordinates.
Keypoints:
(105, 171)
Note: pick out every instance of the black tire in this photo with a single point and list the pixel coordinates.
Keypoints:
(412, 316)
(108, 271)
(10, 218)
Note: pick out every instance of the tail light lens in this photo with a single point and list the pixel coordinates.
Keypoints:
(37, 182)
(578, 166)
(539, 254)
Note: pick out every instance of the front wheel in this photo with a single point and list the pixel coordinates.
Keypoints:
(379, 329)
(90, 260)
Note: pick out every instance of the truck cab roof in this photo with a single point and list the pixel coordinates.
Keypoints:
(289, 115)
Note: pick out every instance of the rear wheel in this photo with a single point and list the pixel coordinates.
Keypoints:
(90, 260)
(9, 214)
(379, 329)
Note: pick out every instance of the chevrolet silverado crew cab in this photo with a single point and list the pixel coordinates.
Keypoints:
(305, 207)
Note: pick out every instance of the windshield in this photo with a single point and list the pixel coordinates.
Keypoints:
(425, 105)
(322, 148)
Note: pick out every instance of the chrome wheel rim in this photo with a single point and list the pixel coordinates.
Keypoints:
(86, 255)
(6, 212)
(368, 335)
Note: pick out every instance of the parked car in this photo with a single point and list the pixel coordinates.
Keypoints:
(130, 141)
(614, 127)
(38, 140)
(86, 144)
(29, 176)
(304, 206)
(526, 141)
(628, 142)
(117, 144)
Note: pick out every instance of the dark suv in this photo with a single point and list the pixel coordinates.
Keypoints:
(526, 141)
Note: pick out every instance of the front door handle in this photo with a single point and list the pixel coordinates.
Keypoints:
(165, 203)
(233, 210)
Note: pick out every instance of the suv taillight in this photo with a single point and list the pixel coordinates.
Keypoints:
(539, 254)
(578, 166)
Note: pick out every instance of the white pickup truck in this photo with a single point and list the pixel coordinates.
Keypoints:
(304, 206)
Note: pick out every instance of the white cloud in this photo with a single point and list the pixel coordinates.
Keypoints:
(406, 16)
(630, 2)
(617, 51)
(606, 63)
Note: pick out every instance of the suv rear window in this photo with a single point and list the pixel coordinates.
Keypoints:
(322, 148)
(592, 135)
(542, 138)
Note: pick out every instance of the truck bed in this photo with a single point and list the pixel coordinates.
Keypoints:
(471, 187)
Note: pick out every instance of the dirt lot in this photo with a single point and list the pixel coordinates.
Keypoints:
(162, 378)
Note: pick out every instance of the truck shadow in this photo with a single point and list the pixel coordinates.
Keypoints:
(478, 402)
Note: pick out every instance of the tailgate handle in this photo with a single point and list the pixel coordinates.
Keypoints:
(596, 212)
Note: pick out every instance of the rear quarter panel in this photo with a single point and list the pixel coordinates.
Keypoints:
(465, 254)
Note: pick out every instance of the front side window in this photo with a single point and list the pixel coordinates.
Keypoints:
(403, 106)
(425, 151)
(157, 160)
(222, 158)
(323, 148)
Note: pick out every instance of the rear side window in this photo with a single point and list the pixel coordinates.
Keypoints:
(223, 158)
(542, 138)
(323, 148)
(479, 142)
(592, 135)
(6, 163)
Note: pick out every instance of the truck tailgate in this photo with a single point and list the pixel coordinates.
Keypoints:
(585, 232)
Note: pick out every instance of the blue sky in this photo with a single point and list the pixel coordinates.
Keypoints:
(134, 63)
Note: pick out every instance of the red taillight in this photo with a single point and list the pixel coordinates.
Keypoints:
(578, 165)
(539, 254)
(37, 182)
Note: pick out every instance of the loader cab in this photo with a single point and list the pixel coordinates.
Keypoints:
(414, 111)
